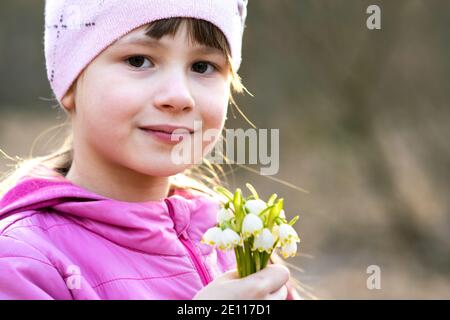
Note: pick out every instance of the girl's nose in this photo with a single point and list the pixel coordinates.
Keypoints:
(174, 94)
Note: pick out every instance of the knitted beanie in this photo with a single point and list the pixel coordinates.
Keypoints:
(76, 31)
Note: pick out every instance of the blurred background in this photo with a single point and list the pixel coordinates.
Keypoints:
(364, 127)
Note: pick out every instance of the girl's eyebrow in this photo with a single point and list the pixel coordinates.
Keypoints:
(141, 41)
(207, 50)
(148, 41)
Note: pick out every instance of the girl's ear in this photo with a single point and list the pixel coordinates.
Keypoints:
(68, 101)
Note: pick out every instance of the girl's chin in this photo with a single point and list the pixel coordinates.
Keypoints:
(163, 169)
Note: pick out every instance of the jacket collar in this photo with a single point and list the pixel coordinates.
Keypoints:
(145, 226)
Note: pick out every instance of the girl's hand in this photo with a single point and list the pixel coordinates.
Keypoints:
(266, 284)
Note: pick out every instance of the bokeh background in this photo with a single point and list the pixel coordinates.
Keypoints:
(364, 127)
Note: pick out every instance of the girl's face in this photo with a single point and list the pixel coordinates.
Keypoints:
(140, 81)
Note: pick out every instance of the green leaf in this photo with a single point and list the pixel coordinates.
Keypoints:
(224, 192)
(294, 220)
(279, 220)
(237, 200)
(264, 211)
(239, 214)
(252, 190)
(274, 213)
(272, 199)
(250, 197)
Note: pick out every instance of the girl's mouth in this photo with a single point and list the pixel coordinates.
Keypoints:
(163, 136)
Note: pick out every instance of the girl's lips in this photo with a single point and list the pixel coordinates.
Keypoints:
(164, 136)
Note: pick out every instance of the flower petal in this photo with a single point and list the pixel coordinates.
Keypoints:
(212, 236)
(252, 225)
(255, 206)
(289, 250)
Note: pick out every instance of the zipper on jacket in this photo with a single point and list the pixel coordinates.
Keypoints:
(201, 269)
(198, 264)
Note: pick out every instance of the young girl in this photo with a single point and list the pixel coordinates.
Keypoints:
(110, 215)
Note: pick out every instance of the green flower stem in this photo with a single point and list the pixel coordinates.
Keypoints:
(238, 260)
(250, 255)
(257, 256)
(249, 262)
(265, 259)
(244, 263)
(248, 258)
(252, 260)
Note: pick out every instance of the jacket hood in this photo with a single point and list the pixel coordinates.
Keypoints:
(152, 226)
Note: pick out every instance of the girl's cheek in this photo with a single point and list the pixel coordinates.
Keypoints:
(119, 102)
(213, 113)
(106, 120)
(212, 98)
(215, 108)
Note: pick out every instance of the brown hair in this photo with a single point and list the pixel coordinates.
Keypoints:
(202, 177)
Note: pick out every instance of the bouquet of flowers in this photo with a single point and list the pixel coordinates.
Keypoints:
(253, 228)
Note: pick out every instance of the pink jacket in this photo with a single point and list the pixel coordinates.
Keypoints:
(59, 241)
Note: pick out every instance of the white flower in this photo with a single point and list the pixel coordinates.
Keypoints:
(287, 234)
(276, 233)
(289, 249)
(212, 236)
(255, 206)
(264, 241)
(229, 239)
(224, 215)
(282, 214)
(252, 225)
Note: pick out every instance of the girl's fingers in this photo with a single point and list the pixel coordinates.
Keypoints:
(280, 294)
(230, 274)
(268, 280)
(271, 278)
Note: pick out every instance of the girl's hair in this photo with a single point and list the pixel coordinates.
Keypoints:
(203, 177)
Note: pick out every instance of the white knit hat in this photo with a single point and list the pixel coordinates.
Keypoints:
(76, 31)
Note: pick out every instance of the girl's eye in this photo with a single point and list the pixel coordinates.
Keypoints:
(139, 62)
(202, 67)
